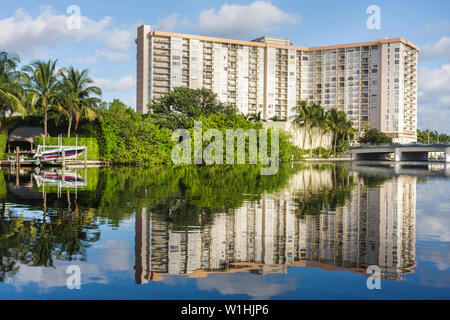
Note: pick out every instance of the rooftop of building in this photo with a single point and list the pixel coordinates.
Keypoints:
(274, 40)
(281, 43)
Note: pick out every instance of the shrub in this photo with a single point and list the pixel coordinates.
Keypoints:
(222, 122)
(3, 142)
(320, 152)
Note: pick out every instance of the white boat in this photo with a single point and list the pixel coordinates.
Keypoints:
(64, 179)
(55, 154)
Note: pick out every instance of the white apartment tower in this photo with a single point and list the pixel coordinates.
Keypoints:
(375, 83)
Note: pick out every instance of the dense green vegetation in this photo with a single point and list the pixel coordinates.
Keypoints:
(428, 136)
(373, 136)
(181, 107)
(3, 143)
(65, 100)
(126, 137)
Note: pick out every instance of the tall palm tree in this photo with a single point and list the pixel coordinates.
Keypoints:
(334, 119)
(340, 126)
(13, 97)
(302, 118)
(76, 96)
(42, 81)
(318, 120)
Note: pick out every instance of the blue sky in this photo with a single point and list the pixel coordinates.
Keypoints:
(104, 44)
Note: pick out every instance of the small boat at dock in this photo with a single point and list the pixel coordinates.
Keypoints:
(57, 153)
(62, 178)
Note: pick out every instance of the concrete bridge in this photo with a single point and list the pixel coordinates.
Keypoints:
(402, 152)
(389, 168)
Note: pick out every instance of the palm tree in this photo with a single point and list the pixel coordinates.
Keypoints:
(317, 120)
(302, 118)
(340, 127)
(75, 99)
(42, 81)
(332, 117)
(13, 97)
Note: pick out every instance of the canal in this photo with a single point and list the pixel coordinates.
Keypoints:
(309, 232)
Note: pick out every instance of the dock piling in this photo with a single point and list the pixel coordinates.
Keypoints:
(63, 157)
(17, 158)
(85, 157)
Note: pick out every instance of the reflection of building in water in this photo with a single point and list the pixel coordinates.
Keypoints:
(375, 227)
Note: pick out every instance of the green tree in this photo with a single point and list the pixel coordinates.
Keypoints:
(302, 118)
(42, 82)
(76, 97)
(318, 121)
(13, 97)
(429, 136)
(340, 127)
(373, 136)
(180, 107)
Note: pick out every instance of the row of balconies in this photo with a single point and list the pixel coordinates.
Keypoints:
(161, 71)
(161, 40)
(161, 52)
(161, 90)
(161, 46)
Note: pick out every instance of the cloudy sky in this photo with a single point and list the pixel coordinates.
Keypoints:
(104, 42)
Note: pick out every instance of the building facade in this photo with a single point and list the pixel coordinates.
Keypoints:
(374, 83)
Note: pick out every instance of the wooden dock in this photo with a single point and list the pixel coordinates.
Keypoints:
(68, 163)
(18, 161)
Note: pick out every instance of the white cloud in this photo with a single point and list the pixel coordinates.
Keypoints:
(244, 20)
(122, 84)
(434, 97)
(119, 39)
(435, 79)
(440, 48)
(48, 278)
(111, 55)
(440, 26)
(434, 86)
(30, 36)
(255, 286)
(232, 20)
(24, 34)
(84, 60)
(171, 22)
(114, 255)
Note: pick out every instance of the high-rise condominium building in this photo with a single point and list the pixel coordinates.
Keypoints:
(374, 83)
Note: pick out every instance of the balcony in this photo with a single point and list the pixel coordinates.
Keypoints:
(161, 46)
(161, 65)
(161, 71)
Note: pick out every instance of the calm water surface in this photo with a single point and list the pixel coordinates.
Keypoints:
(310, 232)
